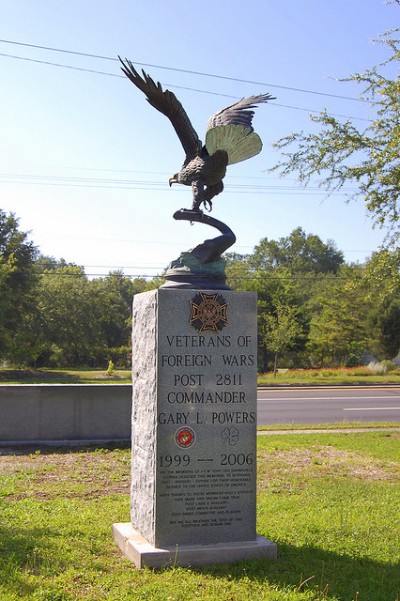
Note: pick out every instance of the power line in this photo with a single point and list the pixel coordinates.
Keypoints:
(330, 277)
(33, 60)
(73, 68)
(121, 269)
(175, 86)
(148, 172)
(151, 184)
(179, 70)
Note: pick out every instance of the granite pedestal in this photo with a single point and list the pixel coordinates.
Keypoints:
(193, 494)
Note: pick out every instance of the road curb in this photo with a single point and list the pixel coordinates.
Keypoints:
(326, 431)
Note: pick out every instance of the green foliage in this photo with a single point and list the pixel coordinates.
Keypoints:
(280, 331)
(313, 310)
(52, 314)
(80, 321)
(299, 253)
(17, 280)
(285, 274)
(69, 325)
(385, 323)
(382, 275)
(339, 153)
(338, 327)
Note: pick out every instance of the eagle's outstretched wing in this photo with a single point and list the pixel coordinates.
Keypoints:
(230, 129)
(167, 103)
(239, 113)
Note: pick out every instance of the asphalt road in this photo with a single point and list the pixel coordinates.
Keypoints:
(328, 405)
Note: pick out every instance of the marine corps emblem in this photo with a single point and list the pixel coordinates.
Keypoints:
(208, 312)
(185, 437)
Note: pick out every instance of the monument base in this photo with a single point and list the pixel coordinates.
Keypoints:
(138, 550)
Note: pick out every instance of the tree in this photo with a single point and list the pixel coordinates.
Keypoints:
(70, 328)
(382, 275)
(338, 329)
(285, 274)
(299, 253)
(17, 279)
(385, 322)
(280, 331)
(112, 301)
(341, 153)
(238, 271)
(81, 321)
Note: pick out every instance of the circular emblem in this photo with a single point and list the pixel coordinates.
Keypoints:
(231, 435)
(185, 437)
(208, 312)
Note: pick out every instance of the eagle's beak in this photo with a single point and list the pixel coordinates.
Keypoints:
(172, 180)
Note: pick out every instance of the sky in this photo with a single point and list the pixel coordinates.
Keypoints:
(85, 160)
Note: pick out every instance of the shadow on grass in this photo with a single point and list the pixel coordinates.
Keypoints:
(323, 574)
(23, 552)
(327, 574)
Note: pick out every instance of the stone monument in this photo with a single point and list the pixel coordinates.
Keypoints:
(194, 374)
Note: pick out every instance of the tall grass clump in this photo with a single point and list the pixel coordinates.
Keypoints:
(381, 367)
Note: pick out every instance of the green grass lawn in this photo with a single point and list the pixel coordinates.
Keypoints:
(331, 502)
(64, 376)
(341, 376)
(293, 377)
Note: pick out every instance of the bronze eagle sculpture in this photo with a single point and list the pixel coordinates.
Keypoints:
(230, 137)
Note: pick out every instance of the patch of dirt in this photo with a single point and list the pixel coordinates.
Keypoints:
(328, 461)
(90, 474)
(69, 475)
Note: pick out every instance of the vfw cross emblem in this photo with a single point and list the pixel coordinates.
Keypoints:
(208, 312)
